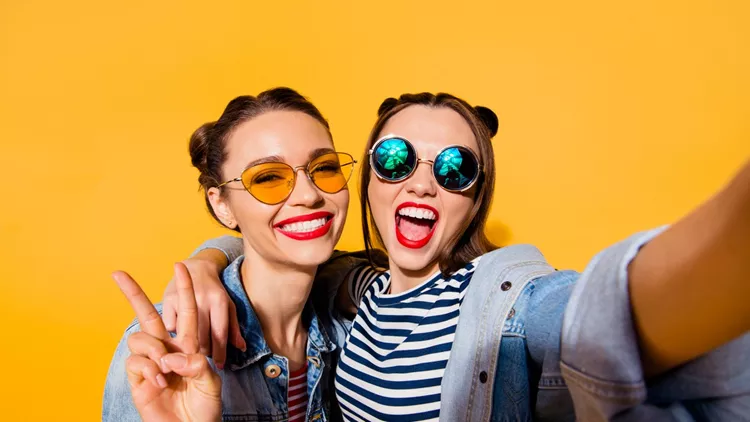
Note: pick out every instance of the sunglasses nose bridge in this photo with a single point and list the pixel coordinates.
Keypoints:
(430, 162)
(292, 182)
(306, 192)
(295, 170)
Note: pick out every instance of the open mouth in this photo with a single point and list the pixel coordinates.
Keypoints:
(306, 227)
(415, 224)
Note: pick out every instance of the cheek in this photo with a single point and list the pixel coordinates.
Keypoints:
(340, 200)
(381, 197)
(458, 208)
(250, 213)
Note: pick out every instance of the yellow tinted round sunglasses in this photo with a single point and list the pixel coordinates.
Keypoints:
(272, 182)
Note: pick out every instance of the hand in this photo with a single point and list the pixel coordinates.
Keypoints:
(169, 380)
(217, 315)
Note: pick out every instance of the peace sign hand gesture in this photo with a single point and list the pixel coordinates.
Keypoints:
(169, 379)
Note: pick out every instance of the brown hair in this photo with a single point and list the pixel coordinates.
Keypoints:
(207, 144)
(470, 241)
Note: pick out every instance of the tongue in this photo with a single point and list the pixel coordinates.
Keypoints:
(413, 228)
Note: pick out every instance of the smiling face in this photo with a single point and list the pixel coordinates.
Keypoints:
(302, 230)
(416, 218)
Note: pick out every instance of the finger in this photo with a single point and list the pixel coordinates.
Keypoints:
(146, 345)
(204, 328)
(187, 314)
(196, 367)
(140, 368)
(147, 315)
(234, 329)
(219, 332)
(169, 309)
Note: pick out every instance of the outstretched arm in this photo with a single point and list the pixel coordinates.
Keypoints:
(694, 278)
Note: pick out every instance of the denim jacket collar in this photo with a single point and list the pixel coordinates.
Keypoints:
(250, 327)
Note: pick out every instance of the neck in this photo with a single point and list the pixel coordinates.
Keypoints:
(278, 294)
(403, 279)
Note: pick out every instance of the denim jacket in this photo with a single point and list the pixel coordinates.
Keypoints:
(248, 393)
(569, 352)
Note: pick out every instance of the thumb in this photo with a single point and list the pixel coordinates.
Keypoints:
(193, 366)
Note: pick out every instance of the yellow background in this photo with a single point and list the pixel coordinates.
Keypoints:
(614, 117)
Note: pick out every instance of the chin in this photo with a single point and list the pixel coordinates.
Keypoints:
(307, 252)
(412, 259)
(311, 255)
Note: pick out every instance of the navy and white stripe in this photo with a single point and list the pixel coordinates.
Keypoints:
(394, 358)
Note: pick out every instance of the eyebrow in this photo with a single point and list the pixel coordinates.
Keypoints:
(279, 159)
(318, 152)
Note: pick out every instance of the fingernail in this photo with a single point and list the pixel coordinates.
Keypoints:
(220, 366)
(160, 379)
(163, 366)
(175, 360)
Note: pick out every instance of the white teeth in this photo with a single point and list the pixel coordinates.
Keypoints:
(306, 226)
(421, 213)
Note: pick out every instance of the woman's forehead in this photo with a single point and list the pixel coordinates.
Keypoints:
(431, 129)
(289, 135)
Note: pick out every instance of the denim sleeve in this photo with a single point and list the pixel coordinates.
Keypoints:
(118, 402)
(601, 364)
(546, 305)
(230, 245)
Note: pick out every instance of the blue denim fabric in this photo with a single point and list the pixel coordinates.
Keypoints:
(247, 393)
(531, 351)
(569, 351)
(601, 363)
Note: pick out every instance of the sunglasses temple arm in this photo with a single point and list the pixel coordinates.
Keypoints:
(238, 179)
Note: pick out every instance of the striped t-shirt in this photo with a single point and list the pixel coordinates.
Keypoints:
(297, 395)
(394, 358)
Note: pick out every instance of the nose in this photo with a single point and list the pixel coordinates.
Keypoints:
(421, 183)
(305, 193)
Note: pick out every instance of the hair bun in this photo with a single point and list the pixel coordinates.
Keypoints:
(489, 118)
(199, 142)
(386, 105)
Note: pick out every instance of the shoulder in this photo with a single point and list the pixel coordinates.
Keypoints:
(373, 281)
(548, 298)
(554, 282)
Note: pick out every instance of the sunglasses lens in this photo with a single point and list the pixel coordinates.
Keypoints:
(270, 183)
(394, 159)
(455, 168)
(331, 171)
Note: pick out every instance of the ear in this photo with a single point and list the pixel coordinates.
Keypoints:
(489, 118)
(386, 105)
(221, 208)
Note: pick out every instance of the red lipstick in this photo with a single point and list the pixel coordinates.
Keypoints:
(415, 244)
(306, 235)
